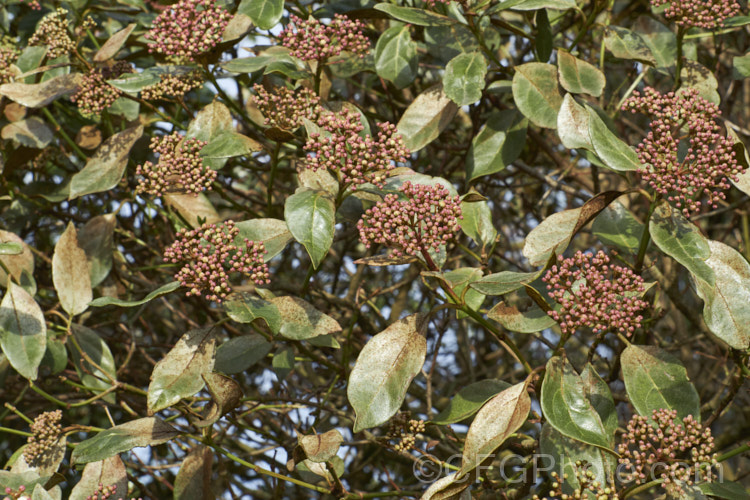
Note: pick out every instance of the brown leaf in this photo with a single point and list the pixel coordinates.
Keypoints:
(226, 395)
(592, 207)
(16, 264)
(14, 111)
(70, 273)
(89, 137)
(386, 260)
(110, 471)
(112, 46)
(38, 95)
(321, 447)
(193, 481)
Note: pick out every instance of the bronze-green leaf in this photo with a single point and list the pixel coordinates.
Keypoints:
(104, 170)
(178, 374)
(148, 431)
(384, 369)
(500, 417)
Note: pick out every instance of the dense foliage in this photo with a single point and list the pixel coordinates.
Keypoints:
(348, 249)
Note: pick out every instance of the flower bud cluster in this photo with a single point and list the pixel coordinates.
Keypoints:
(404, 431)
(95, 94)
(285, 108)
(313, 40)
(45, 432)
(8, 54)
(665, 448)
(17, 494)
(105, 492)
(353, 158)
(173, 86)
(686, 120)
(428, 218)
(52, 31)
(179, 169)
(588, 487)
(189, 28)
(593, 293)
(212, 255)
(705, 14)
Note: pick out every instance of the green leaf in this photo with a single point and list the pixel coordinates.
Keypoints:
(598, 392)
(247, 64)
(311, 218)
(178, 374)
(418, 17)
(97, 350)
(384, 369)
(240, 353)
(617, 226)
(741, 67)
(245, 308)
(682, 240)
(532, 320)
(228, 145)
(498, 144)
(573, 125)
(567, 405)
(11, 248)
(727, 302)
(503, 282)
(463, 80)
(283, 362)
(579, 77)
(148, 431)
(660, 39)
(724, 489)
(426, 117)
(301, 321)
(265, 13)
(537, 94)
(96, 240)
(615, 153)
(110, 471)
(396, 57)
(162, 290)
(565, 452)
(104, 170)
(699, 77)
(133, 83)
(193, 481)
(543, 40)
(500, 417)
(477, 223)
(23, 331)
(469, 400)
(70, 273)
(626, 44)
(39, 95)
(654, 380)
